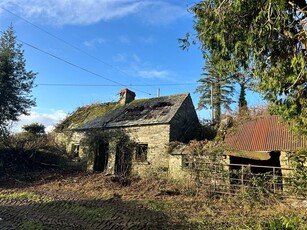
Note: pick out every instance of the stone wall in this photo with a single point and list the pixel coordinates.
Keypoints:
(177, 171)
(185, 124)
(68, 138)
(157, 138)
(183, 127)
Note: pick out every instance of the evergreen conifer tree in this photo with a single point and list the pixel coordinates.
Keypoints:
(15, 81)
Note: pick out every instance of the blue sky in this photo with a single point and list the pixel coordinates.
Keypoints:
(110, 45)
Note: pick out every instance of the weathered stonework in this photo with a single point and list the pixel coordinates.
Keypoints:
(185, 124)
(157, 137)
(151, 123)
(177, 170)
(69, 138)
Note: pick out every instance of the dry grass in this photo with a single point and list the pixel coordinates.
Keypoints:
(187, 204)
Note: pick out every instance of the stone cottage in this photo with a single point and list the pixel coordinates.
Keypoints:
(130, 136)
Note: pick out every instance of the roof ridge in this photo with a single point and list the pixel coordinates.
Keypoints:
(167, 96)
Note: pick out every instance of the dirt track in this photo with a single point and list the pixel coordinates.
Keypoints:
(81, 202)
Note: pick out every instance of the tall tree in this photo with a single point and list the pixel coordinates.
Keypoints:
(216, 89)
(242, 105)
(15, 81)
(245, 82)
(271, 36)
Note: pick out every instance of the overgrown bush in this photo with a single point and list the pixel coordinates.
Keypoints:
(117, 141)
(287, 222)
(298, 180)
(29, 151)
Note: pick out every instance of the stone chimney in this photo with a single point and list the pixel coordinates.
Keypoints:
(126, 96)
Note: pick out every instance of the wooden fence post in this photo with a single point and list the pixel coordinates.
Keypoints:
(274, 185)
(242, 178)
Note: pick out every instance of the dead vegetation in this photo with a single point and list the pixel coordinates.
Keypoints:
(32, 197)
(184, 206)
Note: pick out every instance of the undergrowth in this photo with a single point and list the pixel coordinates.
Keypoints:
(251, 209)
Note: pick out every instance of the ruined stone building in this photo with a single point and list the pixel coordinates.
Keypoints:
(130, 136)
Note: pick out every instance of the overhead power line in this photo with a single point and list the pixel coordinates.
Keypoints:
(84, 52)
(76, 66)
(106, 85)
(62, 40)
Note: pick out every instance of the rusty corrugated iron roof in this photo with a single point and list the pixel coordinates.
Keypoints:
(265, 134)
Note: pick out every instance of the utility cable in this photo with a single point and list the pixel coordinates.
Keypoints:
(82, 51)
(62, 40)
(105, 85)
(76, 66)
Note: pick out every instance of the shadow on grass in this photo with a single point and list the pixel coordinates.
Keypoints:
(26, 213)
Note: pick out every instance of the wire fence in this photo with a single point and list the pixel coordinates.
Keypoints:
(234, 178)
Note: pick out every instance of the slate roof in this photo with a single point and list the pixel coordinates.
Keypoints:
(265, 134)
(84, 114)
(159, 110)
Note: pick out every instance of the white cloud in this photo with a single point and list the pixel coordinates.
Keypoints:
(136, 58)
(153, 73)
(162, 12)
(84, 12)
(47, 119)
(73, 12)
(146, 71)
(94, 42)
(120, 58)
(147, 40)
(136, 67)
(124, 39)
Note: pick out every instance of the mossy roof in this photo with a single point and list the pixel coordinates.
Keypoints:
(159, 110)
(84, 114)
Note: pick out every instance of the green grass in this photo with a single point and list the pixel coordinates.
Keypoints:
(158, 205)
(25, 195)
(30, 225)
(94, 213)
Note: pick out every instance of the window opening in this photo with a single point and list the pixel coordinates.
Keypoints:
(141, 152)
(75, 150)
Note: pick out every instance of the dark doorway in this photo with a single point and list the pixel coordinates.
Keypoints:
(101, 156)
(272, 162)
(123, 159)
(257, 168)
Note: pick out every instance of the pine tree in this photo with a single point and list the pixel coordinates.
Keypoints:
(245, 82)
(15, 81)
(242, 99)
(217, 89)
